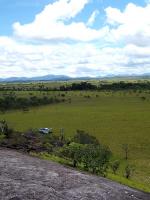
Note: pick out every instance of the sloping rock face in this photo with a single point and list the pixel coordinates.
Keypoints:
(23, 177)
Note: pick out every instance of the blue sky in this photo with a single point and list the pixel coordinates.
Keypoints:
(76, 38)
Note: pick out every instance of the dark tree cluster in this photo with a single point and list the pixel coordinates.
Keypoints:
(93, 158)
(84, 138)
(78, 86)
(114, 86)
(86, 151)
(125, 86)
(83, 85)
(25, 87)
(12, 102)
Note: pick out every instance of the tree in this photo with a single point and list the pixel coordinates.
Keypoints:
(143, 98)
(95, 158)
(125, 148)
(47, 147)
(5, 129)
(115, 166)
(129, 169)
(72, 151)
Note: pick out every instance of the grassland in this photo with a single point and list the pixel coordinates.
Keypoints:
(115, 118)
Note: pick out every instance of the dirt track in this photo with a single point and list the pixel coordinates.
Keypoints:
(27, 178)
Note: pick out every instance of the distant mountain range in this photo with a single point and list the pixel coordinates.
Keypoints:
(37, 78)
(68, 78)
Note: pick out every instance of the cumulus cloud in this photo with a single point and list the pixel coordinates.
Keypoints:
(50, 24)
(126, 52)
(130, 26)
(80, 59)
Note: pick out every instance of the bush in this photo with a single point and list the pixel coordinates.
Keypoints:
(129, 169)
(48, 147)
(2, 138)
(115, 166)
(94, 158)
(73, 151)
(84, 138)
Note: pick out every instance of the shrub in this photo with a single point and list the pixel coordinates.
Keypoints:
(115, 166)
(2, 137)
(94, 158)
(84, 138)
(73, 151)
(129, 169)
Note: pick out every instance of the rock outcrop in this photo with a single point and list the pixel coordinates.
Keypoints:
(23, 177)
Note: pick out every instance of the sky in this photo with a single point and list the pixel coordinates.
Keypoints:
(74, 37)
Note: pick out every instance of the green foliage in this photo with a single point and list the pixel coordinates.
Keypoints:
(84, 138)
(115, 166)
(2, 138)
(78, 85)
(5, 129)
(122, 85)
(94, 158)
(129, 169)
(125, 148)
(10, 102)
(54, 140)
(48, 147)
(73, 151)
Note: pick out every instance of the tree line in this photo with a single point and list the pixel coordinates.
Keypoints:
(83, 85)
(13, 102)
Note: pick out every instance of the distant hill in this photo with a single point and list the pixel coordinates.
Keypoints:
(37, 78)
(51, 77)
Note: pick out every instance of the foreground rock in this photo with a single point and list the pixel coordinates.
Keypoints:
(26, 178)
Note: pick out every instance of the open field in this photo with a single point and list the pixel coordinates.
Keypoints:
(115, 118)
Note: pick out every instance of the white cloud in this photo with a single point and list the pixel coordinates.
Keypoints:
(18, 59)
(130, 26)
(92, 18)
(50, 24)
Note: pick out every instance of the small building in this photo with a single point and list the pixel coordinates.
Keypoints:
(45, 130)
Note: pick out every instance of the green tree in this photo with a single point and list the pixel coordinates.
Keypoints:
(95, 158)
(125, 148)
(73, 151)
(129, 169)
(115, 166)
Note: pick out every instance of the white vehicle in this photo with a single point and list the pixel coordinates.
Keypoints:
(45, 130)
